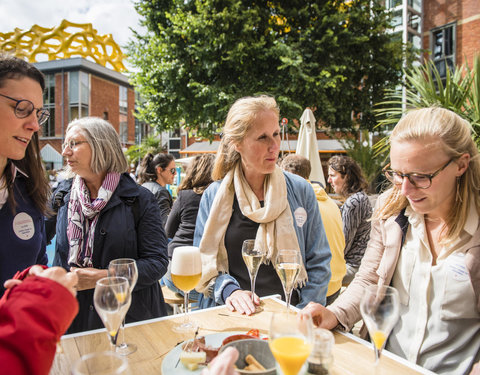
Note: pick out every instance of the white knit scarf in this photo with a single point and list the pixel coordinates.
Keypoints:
(275, 231)
(81, 207)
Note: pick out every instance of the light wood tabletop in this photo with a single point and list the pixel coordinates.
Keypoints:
(155, 338)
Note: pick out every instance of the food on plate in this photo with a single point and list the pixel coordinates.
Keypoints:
(198, 345)
(191, 360)
(253, 364)
(229, 339)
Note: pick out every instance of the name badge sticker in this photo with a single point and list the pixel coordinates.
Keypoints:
(23, 226)
(457, 268)
(300, 216)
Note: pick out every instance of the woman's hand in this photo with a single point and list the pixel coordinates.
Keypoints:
(241, 301)
(476, 369)
(87, 277)
(223, 364)
(321, 316)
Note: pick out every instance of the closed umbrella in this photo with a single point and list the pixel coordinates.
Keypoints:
(307, 145)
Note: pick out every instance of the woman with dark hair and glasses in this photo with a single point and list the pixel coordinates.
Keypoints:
(346, 178)
(156, 172)
(425, 242)
(24, 188)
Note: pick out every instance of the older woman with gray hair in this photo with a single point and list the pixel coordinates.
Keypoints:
(102, 214)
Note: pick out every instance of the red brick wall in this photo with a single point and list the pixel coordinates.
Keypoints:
(104, 97)
(467, 15)
(131, 118)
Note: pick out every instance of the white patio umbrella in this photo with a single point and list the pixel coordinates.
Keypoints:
(307, 145)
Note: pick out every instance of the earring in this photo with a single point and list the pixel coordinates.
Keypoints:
(458, 197)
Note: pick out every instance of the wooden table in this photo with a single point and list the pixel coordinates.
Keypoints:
(155, 338)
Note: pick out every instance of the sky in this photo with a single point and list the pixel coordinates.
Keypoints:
(107, 16)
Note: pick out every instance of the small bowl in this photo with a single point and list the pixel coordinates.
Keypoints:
(259, 349)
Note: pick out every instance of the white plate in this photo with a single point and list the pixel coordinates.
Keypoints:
(171, 359)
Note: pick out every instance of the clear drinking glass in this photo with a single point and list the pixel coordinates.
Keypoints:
(290, 340)
(253, 258)
(287, 265)
(125, 267)
(112, 299)
(186, 273)
(101, 363)
(380, 310)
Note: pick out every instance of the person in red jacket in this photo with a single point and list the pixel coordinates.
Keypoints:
(36, 309)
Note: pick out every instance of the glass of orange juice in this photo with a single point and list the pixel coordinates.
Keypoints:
(290, 340)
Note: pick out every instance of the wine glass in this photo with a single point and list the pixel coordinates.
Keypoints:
(127, 268)
(112, 299)
(380, 310)
(290, 340)
(287, 265)
(101, 363)
(186, 273)
(253, 258)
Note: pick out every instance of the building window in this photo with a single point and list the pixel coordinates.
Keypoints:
(123, 130)
(123, 102)
(443, 48)
(48, 129)
(78, 94)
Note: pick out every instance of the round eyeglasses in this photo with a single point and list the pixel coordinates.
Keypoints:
(24, 108)
(419, 180)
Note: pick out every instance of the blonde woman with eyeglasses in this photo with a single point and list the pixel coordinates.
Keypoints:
(425, 242)
(24, 188)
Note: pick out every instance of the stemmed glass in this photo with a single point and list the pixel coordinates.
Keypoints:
(101, 363)
(291, 340)
(186, 273)
(380, 310)
(127, 268)
(112, 299)
(253, 258)
(287, 265)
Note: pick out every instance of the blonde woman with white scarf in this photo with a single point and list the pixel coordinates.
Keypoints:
(253, 198)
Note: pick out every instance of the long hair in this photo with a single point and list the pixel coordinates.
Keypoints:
(149, 164)
(37, 187)
(199, 174)
(107, 154)
(240, 119)
(351, 171)
(455, 135)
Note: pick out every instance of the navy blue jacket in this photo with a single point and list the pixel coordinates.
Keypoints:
(22, 235)
(118, 236)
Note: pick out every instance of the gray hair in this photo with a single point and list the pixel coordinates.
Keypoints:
(107, 153)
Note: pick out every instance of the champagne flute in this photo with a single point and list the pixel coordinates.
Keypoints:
(112, 299)
(290, 340)
(253, 258)
(287, 265)
(127, 268)
(101, 363)
(380, 310)
(186, 273)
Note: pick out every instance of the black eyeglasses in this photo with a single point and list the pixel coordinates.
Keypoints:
(71, 144)
(24, 108)
(173, 171)
(419, 180)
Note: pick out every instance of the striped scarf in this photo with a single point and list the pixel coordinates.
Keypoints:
(80, 207)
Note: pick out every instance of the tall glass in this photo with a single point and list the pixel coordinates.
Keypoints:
(253, 258)
(186, 273)
(101, 363)
(287, 265)
(112, 299)
(380, 310)
(127, 268)
(290, 340)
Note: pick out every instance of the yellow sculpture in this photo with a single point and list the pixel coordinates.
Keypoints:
(58, 43)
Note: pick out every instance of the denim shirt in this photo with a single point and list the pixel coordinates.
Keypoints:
(311, 239)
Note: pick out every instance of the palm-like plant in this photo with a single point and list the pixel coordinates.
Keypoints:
(459, 92)
(152, 144)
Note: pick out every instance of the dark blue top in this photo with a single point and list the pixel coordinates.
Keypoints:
(22, 234)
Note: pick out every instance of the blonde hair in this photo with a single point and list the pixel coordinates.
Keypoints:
(107, 154)
(455, 135)
(240, 119)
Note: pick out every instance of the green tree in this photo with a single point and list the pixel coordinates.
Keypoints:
(152, 144)
(197, 57)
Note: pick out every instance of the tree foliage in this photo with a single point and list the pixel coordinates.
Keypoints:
(197, 57)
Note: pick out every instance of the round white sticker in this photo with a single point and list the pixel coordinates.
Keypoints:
(23, 226)
(300, 216)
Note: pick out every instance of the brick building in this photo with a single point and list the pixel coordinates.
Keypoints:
(76, 88)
